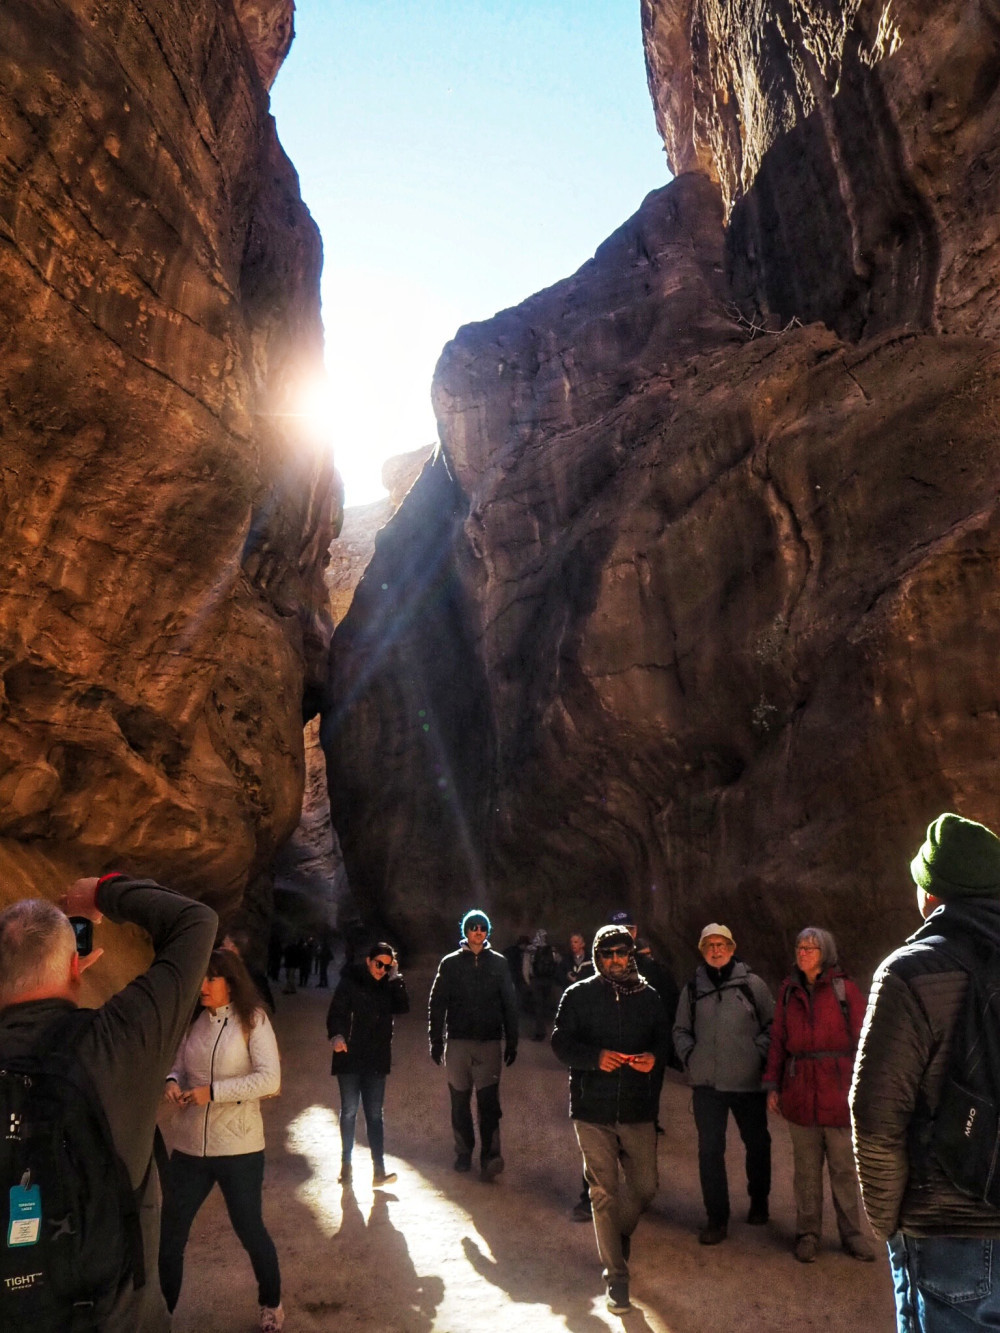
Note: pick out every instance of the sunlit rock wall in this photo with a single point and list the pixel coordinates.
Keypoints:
(688, 615)
(164, 524)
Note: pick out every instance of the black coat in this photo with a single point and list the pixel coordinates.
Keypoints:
(361, 1012)
(596, 1016)
(473, 997)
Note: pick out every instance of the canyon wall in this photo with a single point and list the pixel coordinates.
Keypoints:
(696, 610)
(164, 521)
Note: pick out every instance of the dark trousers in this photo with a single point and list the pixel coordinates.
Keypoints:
(369, 1090)
(488, 1108)
(711, 1115)
(186, 1186)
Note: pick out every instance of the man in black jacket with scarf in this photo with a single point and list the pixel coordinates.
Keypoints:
(614, 1034)
(944, 1245)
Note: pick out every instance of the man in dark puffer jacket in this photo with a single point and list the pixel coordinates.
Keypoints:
(941, 1242)
(473, 1001)
(614, 1034)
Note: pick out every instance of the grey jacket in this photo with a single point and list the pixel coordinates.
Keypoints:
(915, 1000)
(720, 1037)
(128, 1048)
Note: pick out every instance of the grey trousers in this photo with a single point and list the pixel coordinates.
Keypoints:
(810, 1144)
(618, 1197)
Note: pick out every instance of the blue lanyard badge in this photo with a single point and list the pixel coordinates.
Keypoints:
(25, 1216)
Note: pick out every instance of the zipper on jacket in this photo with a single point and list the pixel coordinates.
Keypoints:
(211, 1080)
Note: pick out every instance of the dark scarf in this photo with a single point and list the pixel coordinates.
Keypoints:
(630, 981)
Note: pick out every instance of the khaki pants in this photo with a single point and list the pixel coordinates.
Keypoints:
(619, 1163)
(810, 1144)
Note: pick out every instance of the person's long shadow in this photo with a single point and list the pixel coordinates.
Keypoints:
(386, 1252)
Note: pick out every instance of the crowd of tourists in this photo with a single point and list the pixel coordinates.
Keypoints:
(82, 1089)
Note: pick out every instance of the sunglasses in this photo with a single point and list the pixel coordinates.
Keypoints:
(377, 962)
(613, 953)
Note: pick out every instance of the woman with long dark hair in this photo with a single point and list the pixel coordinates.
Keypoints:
(226, 1063)
(359, 1025)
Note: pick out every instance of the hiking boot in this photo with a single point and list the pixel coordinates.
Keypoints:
(383, 1177)
(806, 1249)
(491, 1167)
(272, 1320)
(463, 1162)
(758, 1215)
(618, 1301)
(713, 1234)
(857, 1249)
(582, 1212)
(345, 1173)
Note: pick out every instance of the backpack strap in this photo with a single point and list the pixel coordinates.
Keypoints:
(56, 1050)
(840, 990)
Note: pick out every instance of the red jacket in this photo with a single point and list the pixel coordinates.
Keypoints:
(811, 1056)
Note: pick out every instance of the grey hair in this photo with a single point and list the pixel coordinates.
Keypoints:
(36, 944)
(827, 945)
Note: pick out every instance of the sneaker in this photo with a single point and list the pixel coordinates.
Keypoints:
(384, 1178)
(857, 1249)
(345, 1173)
(713, 1235)
(272, 1321)
(463, 1162)
(491, 1167)
(758, 1215)
(582, 1212)
(806, 1249)
(618, 1301)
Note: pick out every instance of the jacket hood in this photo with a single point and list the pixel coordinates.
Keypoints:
(960, 917)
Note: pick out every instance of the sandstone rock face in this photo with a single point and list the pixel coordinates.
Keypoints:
(163, 528)
(857, 145)
(683, 617)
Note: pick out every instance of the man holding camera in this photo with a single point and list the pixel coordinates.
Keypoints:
(614, 1034)
(125, 1050)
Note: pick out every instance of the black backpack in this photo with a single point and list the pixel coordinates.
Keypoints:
(71, 1234)
(544, 964)
(965, 1135)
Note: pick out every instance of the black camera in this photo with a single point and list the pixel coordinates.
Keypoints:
(83, 929)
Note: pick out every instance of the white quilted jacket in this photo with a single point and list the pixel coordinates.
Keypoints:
(240, 1072)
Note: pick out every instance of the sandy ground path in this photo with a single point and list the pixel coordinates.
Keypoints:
(445, 1253)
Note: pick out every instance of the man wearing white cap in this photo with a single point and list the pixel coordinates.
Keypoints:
(721, 1036)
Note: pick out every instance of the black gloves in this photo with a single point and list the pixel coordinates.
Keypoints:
(437, 1051)
(509, 1055)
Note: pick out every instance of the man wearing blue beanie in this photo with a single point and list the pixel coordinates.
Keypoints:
(473, 1006)
(943, 1238)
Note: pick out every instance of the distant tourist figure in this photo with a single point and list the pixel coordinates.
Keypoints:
(612, 1031)
(118, 1056)
(814, 1037)
(543, 979)
(473, 1008)
(577, 963)
(293, 959)
(943, 1236)
(227, 1061)
(721, 1036)
(359, 1026)
(324, 957)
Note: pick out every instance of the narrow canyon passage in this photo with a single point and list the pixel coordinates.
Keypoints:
(443, 1252)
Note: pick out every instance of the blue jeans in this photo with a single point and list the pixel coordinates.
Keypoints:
(368, 1089)
(944, 1284)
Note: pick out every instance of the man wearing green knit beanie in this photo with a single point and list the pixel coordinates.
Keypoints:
(943, 1242)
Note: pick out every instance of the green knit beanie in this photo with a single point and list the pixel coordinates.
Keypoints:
(960, 859)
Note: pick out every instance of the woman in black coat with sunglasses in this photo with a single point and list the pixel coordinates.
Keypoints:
(359, 1025)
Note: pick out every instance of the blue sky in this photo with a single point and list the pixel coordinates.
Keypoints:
(458, 156)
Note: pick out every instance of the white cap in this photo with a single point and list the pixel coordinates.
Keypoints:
(713, 928)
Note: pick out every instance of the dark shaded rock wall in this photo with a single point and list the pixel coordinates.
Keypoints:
(163, 525)
(722, 606)
(856, 145)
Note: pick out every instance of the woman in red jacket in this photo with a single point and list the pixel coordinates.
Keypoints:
(814, 1037)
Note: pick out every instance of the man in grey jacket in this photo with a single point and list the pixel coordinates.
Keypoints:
(944, 1246)
(128, 1047)
(721, 1037)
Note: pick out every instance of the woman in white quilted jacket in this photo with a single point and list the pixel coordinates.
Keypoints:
(226, 1063)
